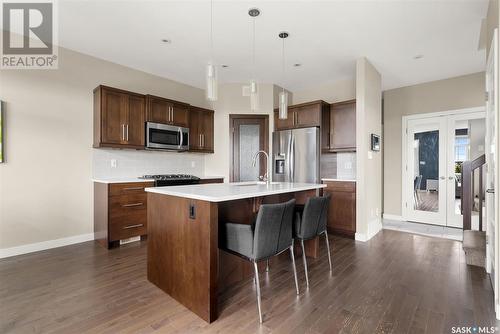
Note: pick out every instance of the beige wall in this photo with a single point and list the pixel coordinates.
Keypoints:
(232, 101)
(450, 94)
(335, 91)
(45, 184)
(369, 164)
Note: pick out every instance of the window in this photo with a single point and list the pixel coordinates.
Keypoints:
(461, 148)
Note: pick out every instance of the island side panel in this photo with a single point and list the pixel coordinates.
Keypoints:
(183, 251)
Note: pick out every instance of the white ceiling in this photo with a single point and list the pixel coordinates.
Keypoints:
(326, 37)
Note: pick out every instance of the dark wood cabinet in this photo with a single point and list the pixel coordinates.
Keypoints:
(119, 118)
(120, 211)
(342, 210)
(161, 110)
(201, 130)
(339, 129)
(302, 115)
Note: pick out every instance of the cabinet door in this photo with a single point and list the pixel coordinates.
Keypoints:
(308, 116)
(195, 128)
(180, 115)
(343, 126)
(342, 210)
(158, 110)
(208, 131)
(284, 124)
(136, 117)
(114, 117)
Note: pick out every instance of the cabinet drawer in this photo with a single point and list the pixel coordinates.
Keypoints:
(116, 189)
(127, 204)
(340, 186)
(128, 226)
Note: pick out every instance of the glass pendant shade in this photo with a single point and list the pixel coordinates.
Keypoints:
(254, 96)
(211, 83)
(283, 105)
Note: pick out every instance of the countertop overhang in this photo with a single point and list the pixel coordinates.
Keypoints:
(222, 192)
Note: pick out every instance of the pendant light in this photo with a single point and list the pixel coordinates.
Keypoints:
(211, 75)
(283, 95)
(254, 94)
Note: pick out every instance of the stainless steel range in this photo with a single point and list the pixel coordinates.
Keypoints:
(164, 180)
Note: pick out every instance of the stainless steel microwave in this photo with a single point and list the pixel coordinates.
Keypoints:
(166, 137)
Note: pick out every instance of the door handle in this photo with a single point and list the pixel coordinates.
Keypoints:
(442, 177)
(181, 138)
(490, 191)
(451, 177)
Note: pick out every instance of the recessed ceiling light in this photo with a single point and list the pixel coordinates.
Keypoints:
(297, 65)
(224, 66)
(166, 40)
(418, 57)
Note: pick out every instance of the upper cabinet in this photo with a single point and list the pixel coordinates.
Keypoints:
(302, 115)
(119, 118)
(339, 129)
(161, 110)
(201, 131)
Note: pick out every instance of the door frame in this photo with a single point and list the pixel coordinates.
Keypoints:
(404, 141)
(232, 118)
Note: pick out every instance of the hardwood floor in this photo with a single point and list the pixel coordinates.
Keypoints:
(395, 283)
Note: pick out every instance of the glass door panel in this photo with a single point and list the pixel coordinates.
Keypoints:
(426, 167)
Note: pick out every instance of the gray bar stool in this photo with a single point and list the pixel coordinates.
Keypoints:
(311, 224)
(269, 236)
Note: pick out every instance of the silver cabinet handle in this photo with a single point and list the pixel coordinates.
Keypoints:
(172, 113)
(127, 132)
(132, 205)
(133, 188)
(123, 132)
(132, 226)
(490, 191)
(450, 178)
(202, 140)
(442, 177)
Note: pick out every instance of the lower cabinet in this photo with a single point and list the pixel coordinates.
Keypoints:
(120, 211)
(342, 210)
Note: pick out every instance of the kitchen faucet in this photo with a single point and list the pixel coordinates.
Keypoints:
(267, 175)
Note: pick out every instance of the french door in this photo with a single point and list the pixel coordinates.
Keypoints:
(436, 146)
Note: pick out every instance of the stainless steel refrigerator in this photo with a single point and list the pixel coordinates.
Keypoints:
(296, 155)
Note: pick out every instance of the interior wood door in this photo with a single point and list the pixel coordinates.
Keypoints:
(249, 135)
(135, 131)
(426, 171)
(158, 109)
(114, 116)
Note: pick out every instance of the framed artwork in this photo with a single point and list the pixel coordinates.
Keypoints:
(375, 142)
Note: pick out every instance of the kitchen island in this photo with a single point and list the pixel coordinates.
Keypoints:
(184, 259)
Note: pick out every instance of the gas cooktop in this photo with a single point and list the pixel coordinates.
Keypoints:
(164, 177)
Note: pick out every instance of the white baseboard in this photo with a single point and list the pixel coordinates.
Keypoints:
(393, 217)
(39, 246)
(374, 227)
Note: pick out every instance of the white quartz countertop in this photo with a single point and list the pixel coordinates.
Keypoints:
(335, 179)
(136, 179)
(221, 192)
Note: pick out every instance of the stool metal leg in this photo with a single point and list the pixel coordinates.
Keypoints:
(267, 266)
(258, 289)
(294, 269)
(328, 250)
(305, 261)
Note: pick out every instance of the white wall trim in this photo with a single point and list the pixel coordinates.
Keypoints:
(39, 246)
(393, 217)
(374, 227)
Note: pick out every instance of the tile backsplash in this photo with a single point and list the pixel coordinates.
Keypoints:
(115, 163)
(338, 165)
